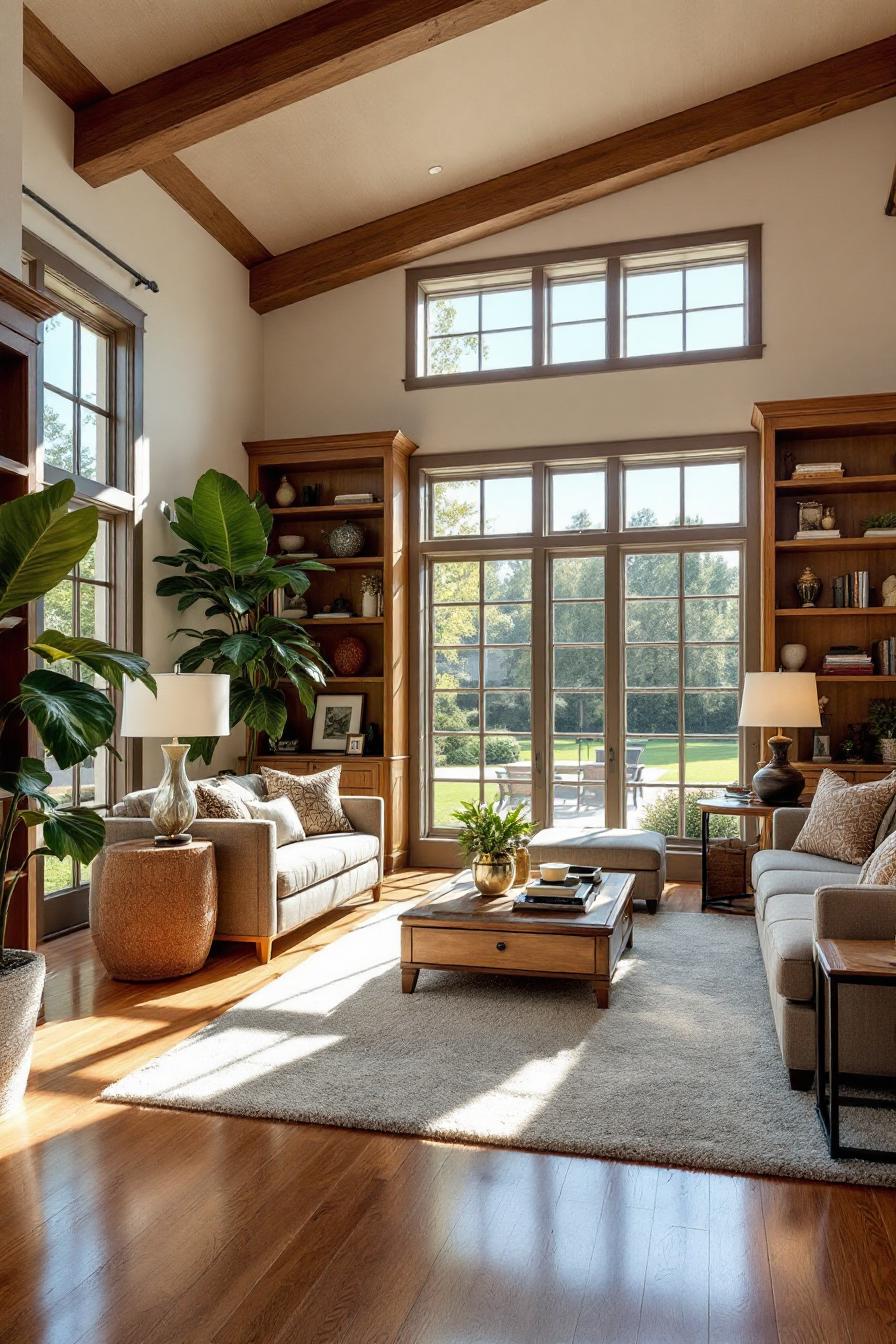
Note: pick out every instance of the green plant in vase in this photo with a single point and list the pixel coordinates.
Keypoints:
(882, 722)
(489, 840)
(227, 569)
(41, 540)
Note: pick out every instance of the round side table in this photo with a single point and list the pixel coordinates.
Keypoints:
(155, 909)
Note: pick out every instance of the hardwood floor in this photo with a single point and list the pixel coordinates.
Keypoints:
(122, 1226)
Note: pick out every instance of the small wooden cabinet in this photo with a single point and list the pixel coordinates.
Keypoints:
(318, 469)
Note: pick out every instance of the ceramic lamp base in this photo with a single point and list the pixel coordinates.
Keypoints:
(174, 805)
(163, 840)
(778, 781)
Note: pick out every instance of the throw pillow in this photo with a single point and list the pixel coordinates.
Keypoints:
(880, 869)
(219, 800)
(843, 819)
(282, 813)
(314, 797)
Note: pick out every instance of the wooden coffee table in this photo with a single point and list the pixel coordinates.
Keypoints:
(456, 929)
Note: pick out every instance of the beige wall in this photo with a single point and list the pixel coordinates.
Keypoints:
(202, 351)
(335, 362)
(10, 134)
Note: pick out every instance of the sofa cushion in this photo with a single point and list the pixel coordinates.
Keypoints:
(784, 882)
(311, 861)
(638, 851)
(221, 800)
(880, 869)
(789, 939)
(314, 797)
(282, 813)
(844, 818)
(791, 861)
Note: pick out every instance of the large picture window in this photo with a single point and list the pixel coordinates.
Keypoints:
(586, 665)
(655, 301)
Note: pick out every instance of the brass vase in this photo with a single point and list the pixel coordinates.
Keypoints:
(522, 866)
(493, 873)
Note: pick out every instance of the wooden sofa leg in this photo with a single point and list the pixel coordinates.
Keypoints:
(263, 949)
(801, 1079)
(377, 891)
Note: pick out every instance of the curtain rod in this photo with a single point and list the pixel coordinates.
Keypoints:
(151, 285)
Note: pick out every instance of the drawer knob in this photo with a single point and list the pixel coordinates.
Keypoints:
(502, 947)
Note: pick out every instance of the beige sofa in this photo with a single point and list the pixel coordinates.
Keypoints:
(263, 891)
(801, 897)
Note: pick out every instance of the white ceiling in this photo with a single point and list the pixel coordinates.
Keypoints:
(547, 80)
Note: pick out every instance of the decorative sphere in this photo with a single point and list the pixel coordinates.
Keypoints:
(349, 656)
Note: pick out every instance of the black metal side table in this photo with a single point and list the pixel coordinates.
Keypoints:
(846, 961)
(728, 807)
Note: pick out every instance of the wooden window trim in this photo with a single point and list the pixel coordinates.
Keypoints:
(539, 263)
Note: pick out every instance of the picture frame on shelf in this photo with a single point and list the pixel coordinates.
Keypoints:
(354, 744)
(821, 747)
(335, 718)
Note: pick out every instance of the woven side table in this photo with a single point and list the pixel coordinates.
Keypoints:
(154, 911)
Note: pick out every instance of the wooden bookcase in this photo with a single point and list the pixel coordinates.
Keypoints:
(378, 463)
(860, 432)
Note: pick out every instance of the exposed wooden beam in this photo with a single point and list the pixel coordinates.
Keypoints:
(736, 121)
(271, 69)
(58, 68)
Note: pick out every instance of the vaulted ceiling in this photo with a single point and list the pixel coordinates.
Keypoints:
(524, 81)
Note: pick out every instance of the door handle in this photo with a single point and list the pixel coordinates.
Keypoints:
(611, 755)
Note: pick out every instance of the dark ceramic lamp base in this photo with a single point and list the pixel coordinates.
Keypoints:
(779, 781)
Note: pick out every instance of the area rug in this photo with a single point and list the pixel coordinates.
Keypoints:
(683, 1069)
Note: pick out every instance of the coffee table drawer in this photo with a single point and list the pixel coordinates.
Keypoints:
(545, 952)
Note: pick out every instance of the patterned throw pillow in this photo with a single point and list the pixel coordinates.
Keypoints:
(282, 813)
(314, 797)
(880, 869)
(220, 801)
(843, 819)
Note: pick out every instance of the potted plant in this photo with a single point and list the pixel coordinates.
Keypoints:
(227, 568)
(882, 718)
(489, 841)
(41, 540)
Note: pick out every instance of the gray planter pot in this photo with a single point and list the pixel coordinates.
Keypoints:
(21, 986)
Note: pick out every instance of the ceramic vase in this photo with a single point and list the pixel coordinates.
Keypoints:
(808, 585)
(286, 494)
(369, 604)
(793, 656)
(888, 750)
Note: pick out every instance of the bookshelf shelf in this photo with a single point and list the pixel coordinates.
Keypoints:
(856, 677)
(312, 511)
(840, 544)
(837, 613)
(840, 485)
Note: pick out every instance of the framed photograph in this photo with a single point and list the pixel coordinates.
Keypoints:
(821, 746)
(335, 716)
(810, 515)
(354, 744)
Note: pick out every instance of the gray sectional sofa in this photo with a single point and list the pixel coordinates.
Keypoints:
(801, 897)
(263, 891)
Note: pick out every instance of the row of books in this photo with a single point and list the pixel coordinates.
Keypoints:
(847, 660)
(851, 590)
(885, 652)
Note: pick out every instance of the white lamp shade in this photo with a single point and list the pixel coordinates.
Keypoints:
(188, 704)
(779, 700)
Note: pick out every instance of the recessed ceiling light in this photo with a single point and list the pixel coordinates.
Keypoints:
(434, 170)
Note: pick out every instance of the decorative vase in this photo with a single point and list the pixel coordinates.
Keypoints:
(290, 542)
(286, 494)
(349, 656)
(808, 585)
(345, 540)
(493, 873)
(793, 656)
(21, 986)
(522, 866)
(369, 603)
(888, 750)
(174, 804)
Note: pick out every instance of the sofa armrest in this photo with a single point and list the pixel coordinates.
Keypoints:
(245, 859)
(855, 912)
(787, 822)
(367, 815)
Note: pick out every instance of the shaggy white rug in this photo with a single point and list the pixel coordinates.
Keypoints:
(684, 1068)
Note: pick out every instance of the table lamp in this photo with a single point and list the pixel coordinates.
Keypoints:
(789, 698)
(195, 704)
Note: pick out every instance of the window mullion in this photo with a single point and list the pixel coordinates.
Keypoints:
(539, 314)
(614, 308)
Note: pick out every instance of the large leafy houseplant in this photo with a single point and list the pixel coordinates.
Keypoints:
(226, 569)
(486, 830)
(41, 540)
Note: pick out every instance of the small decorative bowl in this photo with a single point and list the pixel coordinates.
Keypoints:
(290, 542)
(554, 872)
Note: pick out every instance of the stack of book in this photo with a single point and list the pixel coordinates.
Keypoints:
(738, 793)
(851, 590)
(817, 534)
(885, 650)
(576, 892)
(880, 532)
(357, 497)
(847, 660)
(817, 471)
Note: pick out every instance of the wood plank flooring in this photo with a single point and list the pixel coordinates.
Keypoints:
(121, 1226)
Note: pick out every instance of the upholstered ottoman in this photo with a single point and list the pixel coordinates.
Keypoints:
(640, 852)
